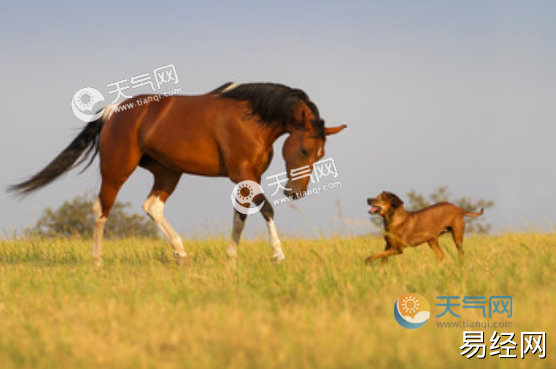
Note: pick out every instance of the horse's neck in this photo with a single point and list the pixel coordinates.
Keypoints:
(271, 134)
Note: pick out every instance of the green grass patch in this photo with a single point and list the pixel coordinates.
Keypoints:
(321, 308)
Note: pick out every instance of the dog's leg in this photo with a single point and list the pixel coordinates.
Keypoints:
(386, 248)
(458, 230)
(436, 248)
(382, 255)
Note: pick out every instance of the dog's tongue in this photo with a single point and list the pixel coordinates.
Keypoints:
(374, 209)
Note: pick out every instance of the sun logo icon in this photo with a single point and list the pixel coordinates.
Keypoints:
(242, 197)
(245, 192)
(412, 310)
(410, 304)
(85, 100)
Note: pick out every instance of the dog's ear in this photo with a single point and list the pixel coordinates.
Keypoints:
(395, 201)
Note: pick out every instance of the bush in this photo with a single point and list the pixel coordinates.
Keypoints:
(75, 217)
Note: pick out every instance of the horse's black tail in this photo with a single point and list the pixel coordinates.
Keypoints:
(76, 153)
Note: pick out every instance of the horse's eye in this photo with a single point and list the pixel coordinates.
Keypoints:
(304, 152)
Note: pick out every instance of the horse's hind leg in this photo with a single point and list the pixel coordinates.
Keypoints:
(165, 182)
(107, 196)
(101, 209)
(116, 165)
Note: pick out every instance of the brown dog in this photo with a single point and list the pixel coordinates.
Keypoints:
(412, 228)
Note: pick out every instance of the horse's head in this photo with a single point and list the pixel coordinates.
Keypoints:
(303, 148)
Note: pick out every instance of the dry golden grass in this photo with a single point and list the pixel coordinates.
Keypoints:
(322, 308)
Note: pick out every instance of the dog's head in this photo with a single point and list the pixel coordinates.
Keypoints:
(384, 204)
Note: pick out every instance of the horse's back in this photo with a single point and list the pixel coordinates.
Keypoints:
(180, 132)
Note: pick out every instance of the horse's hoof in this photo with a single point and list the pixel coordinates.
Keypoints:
(98, 263)
(180, 260)
(232, 263)
(278, 258)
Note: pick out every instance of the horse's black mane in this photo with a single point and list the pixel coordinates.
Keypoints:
(273, 103)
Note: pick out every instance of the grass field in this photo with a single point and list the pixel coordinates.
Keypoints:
(322, 308)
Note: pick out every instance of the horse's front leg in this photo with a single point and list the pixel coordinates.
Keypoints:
(268, 213)
(237, 229)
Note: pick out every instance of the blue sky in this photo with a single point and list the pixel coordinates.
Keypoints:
(434, 93)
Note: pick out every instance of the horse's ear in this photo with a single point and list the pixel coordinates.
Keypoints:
(305, 121)
(333, 130)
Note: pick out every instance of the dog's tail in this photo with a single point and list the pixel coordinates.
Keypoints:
(478, 213)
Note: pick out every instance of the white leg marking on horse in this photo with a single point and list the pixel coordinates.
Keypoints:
(154, 207)
(236, 235)
(96, 251)
(275, 241)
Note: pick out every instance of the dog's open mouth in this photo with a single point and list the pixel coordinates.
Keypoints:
(375, 210)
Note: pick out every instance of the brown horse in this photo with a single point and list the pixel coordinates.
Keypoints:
(228, 132)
